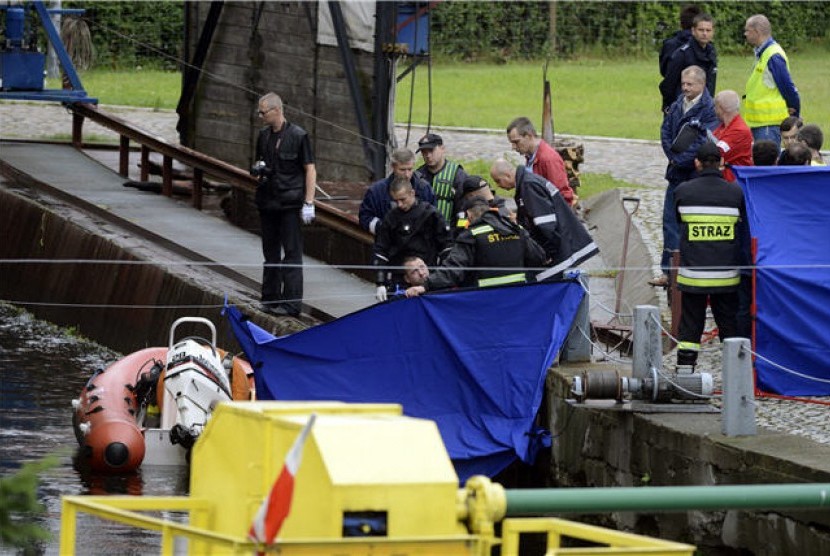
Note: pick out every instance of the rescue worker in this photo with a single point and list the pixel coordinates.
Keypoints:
(771, 95)
(377, 201)
(543, 212)
(412, 228)
(444, 176)
(712, 219)
(493, 251)
(476, 187)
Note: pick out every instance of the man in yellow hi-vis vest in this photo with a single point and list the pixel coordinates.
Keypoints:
(771, 96)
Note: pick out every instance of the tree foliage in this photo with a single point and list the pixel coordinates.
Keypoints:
(509, 30)
(18, 504)
(129, 34)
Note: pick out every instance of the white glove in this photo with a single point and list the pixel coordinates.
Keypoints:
(307, 213)
(380, 294)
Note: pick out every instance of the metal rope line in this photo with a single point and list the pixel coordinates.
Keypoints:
(601, 305)
(306, 266)
(684, 390)
(591, 273)
(676, 341)
(600, 350)
(785, 369)
(219, 79)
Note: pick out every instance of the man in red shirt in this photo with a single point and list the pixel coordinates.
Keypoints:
(734, 138)
(541, 158)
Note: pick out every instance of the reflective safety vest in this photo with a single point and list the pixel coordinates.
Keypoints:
(494, 249)
(763, 104)
(703, 229)
(442, 186)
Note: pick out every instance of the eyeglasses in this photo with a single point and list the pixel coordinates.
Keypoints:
(263, 112)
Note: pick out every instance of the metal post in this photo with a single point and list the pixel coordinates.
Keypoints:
(577, 345)
(648, 350)
(738, 416)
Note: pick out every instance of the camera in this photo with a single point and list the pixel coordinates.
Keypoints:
(260, 170)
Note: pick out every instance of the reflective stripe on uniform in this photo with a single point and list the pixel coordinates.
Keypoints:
(481, 229)
(500, 280)
(708, 218)
(567, 263)
(553, 191)
(544, 219)
(688, 346)
(442, 186)
(708, 278)
(715, 211)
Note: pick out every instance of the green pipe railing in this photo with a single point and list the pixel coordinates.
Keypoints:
(666, 499)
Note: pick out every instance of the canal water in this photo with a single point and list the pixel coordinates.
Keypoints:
(42, 368)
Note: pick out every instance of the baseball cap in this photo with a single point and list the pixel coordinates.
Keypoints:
(475, 201)
(430, 141)
(708, 151)
(472, 183)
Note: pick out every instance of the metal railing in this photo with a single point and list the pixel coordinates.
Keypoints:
(202, 164)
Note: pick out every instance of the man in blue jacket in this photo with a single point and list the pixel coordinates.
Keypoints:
(697, 51)
(685, 128)
(679, 38)
(377, 201)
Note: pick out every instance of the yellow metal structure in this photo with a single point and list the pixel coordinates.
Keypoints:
(608, 541)
(360, 459)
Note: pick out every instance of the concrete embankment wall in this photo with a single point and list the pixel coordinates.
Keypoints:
(125, 304)
(612, 447)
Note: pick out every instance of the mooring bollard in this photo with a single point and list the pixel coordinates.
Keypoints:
(738, 414)
(577, 345)
(648, 352)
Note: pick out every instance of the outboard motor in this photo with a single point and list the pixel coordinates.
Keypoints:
(194, 382)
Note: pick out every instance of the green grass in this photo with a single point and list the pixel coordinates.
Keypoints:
(612, 98)
(591, 184)
(146, 88)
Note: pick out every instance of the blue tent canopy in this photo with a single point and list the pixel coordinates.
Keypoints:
(473, 361)
(789, 216)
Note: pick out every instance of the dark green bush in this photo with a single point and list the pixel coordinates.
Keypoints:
(515, 30)
(130, 34)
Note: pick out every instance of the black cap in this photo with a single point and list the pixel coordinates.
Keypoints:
(474, 201)
(708, 152)
(472, 183)
(430, 141)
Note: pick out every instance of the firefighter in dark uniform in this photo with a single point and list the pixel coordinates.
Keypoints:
(542, 210)
(493, 251)
(412, 228)
(712, 216)
(477, 187)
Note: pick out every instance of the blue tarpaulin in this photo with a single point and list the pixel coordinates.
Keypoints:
(789, 215)
(473, 361)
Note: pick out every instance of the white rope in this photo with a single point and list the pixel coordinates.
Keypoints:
(676, 341)
(600, 350)
(786, 369)
(595, 300)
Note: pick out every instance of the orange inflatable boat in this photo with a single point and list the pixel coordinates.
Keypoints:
(162, 395)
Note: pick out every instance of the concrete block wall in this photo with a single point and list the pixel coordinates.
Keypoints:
(609, 447)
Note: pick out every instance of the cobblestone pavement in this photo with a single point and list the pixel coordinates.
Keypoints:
(638, 162)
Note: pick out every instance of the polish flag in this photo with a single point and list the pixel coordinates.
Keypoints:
(277, 504)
